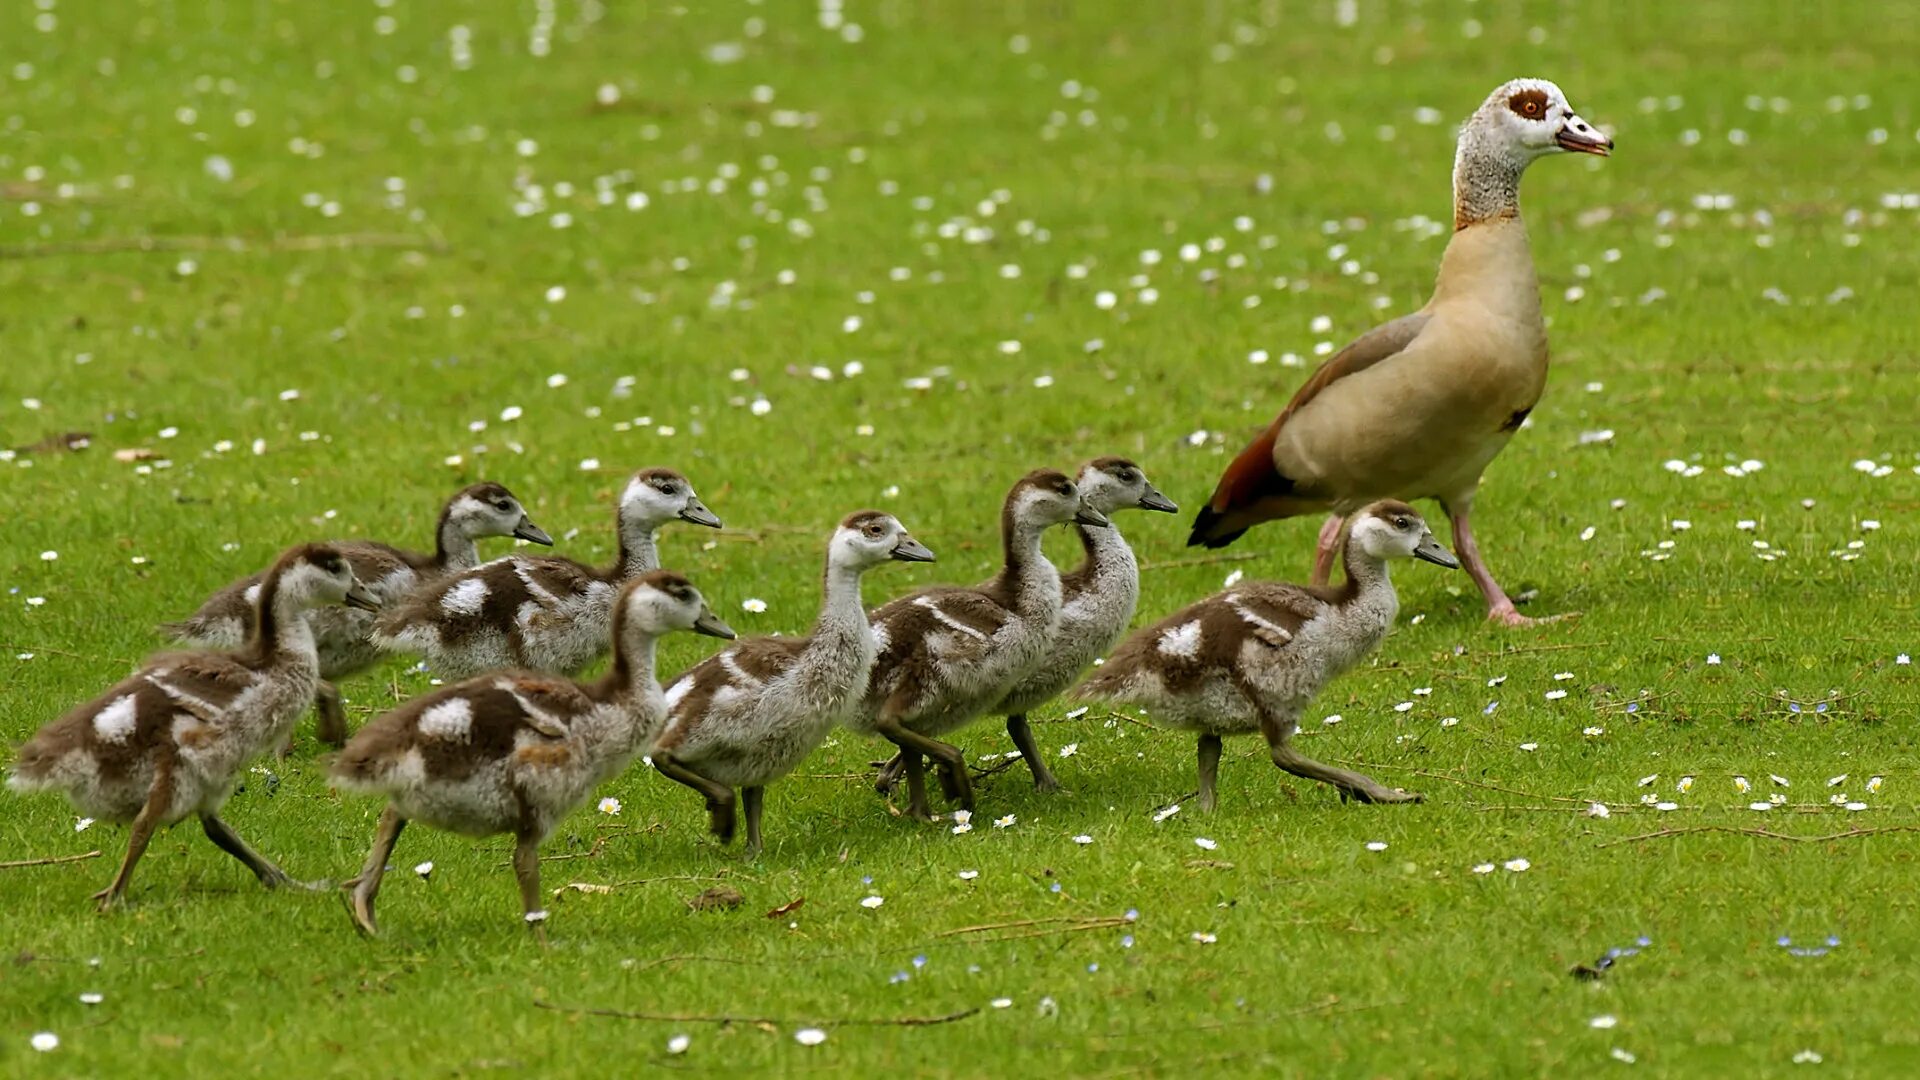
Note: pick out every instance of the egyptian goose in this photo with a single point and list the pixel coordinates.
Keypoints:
(1251, 658)
(545, 613)
(516, 751)
(948, 654)
(746, 716)
(1097, 602)
(1417, 408)
(171, 739)
(225, 620)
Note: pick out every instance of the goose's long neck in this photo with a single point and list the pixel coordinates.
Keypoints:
(1107, 551)
(281, 632)
(1365, 573)
(1486, 180)
(1488, 264)
(841, 613)
(833, 669)
(453, 549)
(639, 552)
(1033, 582)
(636, 693)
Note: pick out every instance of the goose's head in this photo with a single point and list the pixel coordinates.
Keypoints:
(1527, 119)
(489, 509)
(870, 537)
(313, 575)
(662, 601)
(656, 496)
(1114, 483)
(1393, 530)
(1045, 497)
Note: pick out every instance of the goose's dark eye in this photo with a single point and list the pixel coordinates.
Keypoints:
(1401, 523)
(503, 506)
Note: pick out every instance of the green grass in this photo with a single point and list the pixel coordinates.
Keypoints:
(1692, 342)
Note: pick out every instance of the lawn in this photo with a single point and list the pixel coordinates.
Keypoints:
(313, 267)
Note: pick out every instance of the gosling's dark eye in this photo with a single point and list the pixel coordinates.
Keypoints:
(1401, 523)
(503, 506)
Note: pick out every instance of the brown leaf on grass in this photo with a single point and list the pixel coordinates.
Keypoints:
(718, 898)
(787, 908)
(1208, 864)
(581, 886)
(134, 453)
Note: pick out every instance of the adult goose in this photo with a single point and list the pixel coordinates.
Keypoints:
(1417, 408)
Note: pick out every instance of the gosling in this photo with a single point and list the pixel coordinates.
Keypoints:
(171, 739)
(1253, 657)
(515, 752)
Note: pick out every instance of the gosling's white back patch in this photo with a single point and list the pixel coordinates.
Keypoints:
(450, 719)
(116, 722)
(1182, 640)
(465, 598)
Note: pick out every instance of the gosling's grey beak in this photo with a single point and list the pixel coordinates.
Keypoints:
(358, 597)
(1153, 500)
(697, 512)
(911, 550)
(1087, 515)
(527, 530)
(1583, 138)
(1436, 553)
(709, 624)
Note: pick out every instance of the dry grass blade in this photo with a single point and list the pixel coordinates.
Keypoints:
(50, 860)
(775, 1021)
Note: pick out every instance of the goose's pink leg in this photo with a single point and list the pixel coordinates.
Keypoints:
(1499, 606)
(1328, 549)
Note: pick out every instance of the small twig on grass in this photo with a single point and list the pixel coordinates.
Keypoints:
(689, 956)
(1078, 922)
(1550, 648)
(4, 647)
(1767, 834)
(1006, 762)
(116, 245)
(595, 887)
(1468, 783)
(1203, 560)
(776, 1021)
(1112, 714)
(49, 861)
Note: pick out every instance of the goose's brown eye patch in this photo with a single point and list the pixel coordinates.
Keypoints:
(1531, 104)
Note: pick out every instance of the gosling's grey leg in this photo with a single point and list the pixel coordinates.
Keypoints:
(953, 764)
(890, 774)
(229, 841)
(329, 715)
(751, 801)
(1209, 769)
(1022, 735)
(1352, 784)
(159, 798)
(719, 796)
(367, 886)
(526, 867)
